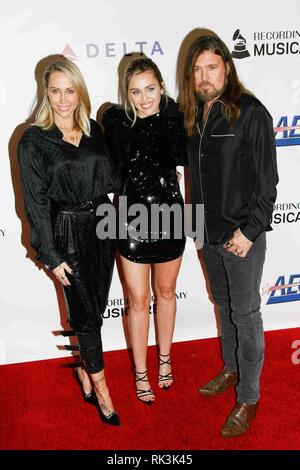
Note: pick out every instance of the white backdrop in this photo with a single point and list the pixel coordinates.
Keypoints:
(96, 34)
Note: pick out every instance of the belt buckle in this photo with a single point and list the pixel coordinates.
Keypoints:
(85, 205)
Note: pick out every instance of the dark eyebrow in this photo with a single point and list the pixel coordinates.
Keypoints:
(151, 84)
(208, 65)
(57, 87)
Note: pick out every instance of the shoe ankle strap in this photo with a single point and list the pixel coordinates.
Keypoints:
(144, 375)
(164, 361)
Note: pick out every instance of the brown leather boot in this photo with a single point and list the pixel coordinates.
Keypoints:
(239, 420)
(219, 384)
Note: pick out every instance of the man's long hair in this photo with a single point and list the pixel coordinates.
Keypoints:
(232, 94)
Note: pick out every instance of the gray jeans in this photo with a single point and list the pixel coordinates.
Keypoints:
(235, 284)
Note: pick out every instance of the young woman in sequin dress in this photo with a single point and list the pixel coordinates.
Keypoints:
(147, 137)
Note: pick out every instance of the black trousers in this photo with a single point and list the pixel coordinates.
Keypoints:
(91, 260)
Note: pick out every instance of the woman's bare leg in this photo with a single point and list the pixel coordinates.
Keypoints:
(102, 393)
(137, 281)
(165, 286)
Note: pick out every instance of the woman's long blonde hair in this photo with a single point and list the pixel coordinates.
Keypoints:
(44, 115)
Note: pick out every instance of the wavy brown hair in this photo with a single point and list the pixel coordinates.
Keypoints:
(232, 94)
(136, 66)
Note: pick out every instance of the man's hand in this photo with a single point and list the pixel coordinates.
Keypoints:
(239, 245)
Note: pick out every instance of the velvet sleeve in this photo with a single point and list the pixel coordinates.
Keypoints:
(115, 131)
(37, 207)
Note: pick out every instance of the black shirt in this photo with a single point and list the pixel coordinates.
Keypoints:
(233, 170)
(55, 170)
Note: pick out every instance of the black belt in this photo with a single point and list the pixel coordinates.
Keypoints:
(90, 204)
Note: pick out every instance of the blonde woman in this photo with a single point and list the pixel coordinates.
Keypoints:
(66, 175)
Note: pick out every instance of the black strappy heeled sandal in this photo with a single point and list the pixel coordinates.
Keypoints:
(143, 393)
(165, 377)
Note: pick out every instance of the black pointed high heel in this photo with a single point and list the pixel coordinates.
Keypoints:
(88, 397)
(112, 418)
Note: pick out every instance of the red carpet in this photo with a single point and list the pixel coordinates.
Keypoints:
(42, 407)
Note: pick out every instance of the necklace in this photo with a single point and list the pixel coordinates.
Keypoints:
(70, 135)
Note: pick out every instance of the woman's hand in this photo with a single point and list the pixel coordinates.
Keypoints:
(179, 175)
(60, 274)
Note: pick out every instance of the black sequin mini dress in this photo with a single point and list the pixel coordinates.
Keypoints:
(148, 153)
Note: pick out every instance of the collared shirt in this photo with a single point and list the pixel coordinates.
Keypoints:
(55, 170)
(233, 170)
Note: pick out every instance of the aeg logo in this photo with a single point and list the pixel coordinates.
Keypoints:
(285, 292)
(288, 133)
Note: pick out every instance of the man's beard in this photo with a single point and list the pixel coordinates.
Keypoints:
(210, 94)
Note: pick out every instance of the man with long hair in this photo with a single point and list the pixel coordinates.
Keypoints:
(233, 172)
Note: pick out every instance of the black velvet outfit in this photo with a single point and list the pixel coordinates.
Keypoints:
(148, 153)
(63, 185)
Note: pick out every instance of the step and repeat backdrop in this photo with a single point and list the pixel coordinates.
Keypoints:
(264, 38)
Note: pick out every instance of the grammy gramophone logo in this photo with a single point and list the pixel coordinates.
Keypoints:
(239, 51)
